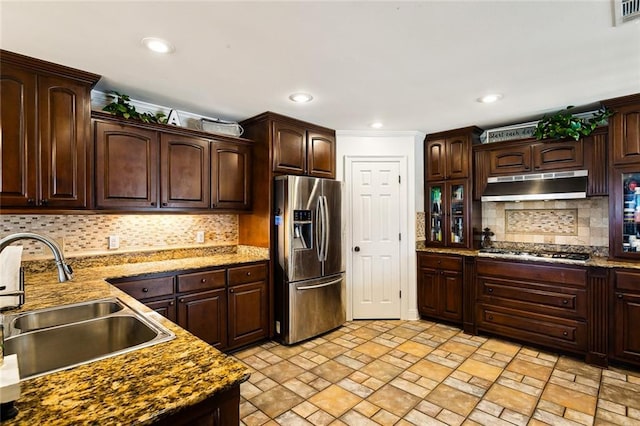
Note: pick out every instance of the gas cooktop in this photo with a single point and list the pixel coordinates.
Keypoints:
(546, 256)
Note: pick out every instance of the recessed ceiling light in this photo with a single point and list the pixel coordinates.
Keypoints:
(376, 125)
(301, 97)
(487, 99)
(158, 45)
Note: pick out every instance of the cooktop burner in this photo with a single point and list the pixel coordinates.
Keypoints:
(542, 255)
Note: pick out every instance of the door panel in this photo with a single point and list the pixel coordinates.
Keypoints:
(205, 315)
(289, 149)
(334, 263)
(375, 225)
(185, 171)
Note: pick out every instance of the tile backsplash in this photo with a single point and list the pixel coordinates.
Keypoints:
(88, 234)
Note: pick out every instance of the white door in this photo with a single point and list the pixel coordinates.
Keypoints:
(375, 251)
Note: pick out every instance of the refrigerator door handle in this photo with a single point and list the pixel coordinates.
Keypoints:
(310, 287)
(326, 227)
(319, 228)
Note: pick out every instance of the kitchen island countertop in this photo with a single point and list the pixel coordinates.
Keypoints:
(138, 387)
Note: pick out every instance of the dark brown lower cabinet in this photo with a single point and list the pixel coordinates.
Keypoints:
(222, 409)
(204, 314)
(537, 303)
(440, 287)
(226, 307)
(626, 316)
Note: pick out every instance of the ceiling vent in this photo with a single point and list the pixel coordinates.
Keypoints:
(625, 10)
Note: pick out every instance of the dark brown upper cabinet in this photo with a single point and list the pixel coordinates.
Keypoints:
(289, 148)
(127, 159)
(624, 130)
(155, 167)
(184, 171)
(321, 154)
(45, 132)
(448, 155)
(230, 176)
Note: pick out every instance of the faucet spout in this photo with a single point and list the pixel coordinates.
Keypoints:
(65, 273)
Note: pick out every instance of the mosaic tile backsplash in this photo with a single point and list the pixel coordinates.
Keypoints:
(89, 234)
(541, 221)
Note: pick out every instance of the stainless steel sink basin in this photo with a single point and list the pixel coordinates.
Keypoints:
(69, 314)
(68, 336)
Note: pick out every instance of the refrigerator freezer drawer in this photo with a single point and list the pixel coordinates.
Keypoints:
(315, 306)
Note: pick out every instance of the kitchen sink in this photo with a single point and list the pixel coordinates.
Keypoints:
(46, 318)
(64, 337)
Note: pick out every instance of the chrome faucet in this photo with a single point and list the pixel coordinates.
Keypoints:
(65, 273)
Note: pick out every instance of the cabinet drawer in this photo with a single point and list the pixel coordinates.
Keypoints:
(534, 328)
(145, 289)
(201, 280)
(536, 297)
(247, 274)
(628, 281)
(539, 272)
(441, 262)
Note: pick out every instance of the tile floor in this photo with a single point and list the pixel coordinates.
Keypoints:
(424, 373)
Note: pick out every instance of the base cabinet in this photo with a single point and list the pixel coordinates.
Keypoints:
(440, 287)
(226, 307)
(222, 409)
(626, 316)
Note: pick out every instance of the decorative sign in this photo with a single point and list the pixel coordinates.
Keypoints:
(521, 131)
(173, 118)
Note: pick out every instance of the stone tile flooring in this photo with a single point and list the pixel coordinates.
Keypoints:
(424, 373)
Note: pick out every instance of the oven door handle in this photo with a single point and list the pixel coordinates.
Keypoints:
(310, 287)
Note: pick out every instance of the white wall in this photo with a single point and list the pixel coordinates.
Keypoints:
(409, 146)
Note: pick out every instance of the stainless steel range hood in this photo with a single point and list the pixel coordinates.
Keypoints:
(538, 186)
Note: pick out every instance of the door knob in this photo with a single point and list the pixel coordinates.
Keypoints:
(356, 248)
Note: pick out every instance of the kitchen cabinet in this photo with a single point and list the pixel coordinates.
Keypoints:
(448, 154)
(230, 176)
(152, 167)
(440, 287)
(45, 127)
(626, 316)
(624, 213)
(624, 130)
(184, 171)
(295, 147)
(226, 307)
(452, 216)
(534, 302)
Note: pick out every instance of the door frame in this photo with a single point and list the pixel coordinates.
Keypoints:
(405, 250)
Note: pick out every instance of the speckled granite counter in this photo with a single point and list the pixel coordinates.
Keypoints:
(139, 387)
(600, 262)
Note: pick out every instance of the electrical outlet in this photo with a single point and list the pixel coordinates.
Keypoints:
(114, 242)
(200, 237)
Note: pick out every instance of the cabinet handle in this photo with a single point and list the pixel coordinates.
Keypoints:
(230, 290)
(620, 296)
(248, 274)
(181, 300)
(490, 290)
(564, 333)
(31, 201)
(204, 280)
(145, 290)
(165, 204)
(171, 303)
(153, 204)
(565, 301)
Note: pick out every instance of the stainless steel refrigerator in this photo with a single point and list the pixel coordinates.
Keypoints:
(310, 295)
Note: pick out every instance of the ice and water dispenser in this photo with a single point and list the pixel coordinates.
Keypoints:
(302, 229)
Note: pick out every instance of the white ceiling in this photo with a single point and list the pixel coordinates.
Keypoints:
(412, 65)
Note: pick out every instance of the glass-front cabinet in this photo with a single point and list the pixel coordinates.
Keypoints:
(626, 213)
(447, 214)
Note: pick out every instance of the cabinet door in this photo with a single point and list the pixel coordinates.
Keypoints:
(435, 160)
(165, 307)
(457, 230)
(627, 318)
(428, 291)
(624, 130)
(457, 151)
(18, 173)
(624, 222)
(436, 214)
(558, 156)
(64, 115)
(205, 315)
(185, 168)
(126, 166)
(248, 315)
(230, 176)
(289, 149)
(321, 154)
(450, 295)
(509, 161)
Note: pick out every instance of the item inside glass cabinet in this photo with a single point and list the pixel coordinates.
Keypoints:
(631, 210)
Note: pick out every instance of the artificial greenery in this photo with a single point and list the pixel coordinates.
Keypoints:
(121, 107)
(563, 124)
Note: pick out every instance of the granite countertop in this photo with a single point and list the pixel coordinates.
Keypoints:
(594, 261)
(138, 387)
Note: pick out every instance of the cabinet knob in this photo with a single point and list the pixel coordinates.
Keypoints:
(620, 296)
(165, 204)
(171, 303)
(565, 301)
(491, 317)
(45, 202)
(153, 204)
(230, 290)
(565, 333)
(31, 201)
(145, 290)
(490, 290)
(248, 274)
(204, 280)
(181, 300)
(213, 204)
